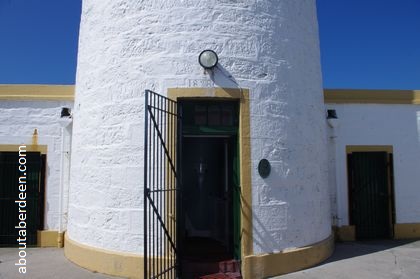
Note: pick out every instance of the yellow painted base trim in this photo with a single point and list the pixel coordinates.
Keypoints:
(104, 261)
(49, 239)
(262, 266)
(407, 231)
(346, 233)
(23, 92)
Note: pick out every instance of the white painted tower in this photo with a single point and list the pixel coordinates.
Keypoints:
(269, 47)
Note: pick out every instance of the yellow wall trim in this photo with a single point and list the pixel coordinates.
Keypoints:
(37, 92)
(29, 148)
(49, 238)
(351, 96)
(244, 150)
(369, 148)
(407, 231)
(262, 266)
(104, 261)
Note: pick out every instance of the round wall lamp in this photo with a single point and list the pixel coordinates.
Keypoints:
(208, 59)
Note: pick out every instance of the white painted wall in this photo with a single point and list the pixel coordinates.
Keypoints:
(18, 120)
(396, 125)
(270, 47)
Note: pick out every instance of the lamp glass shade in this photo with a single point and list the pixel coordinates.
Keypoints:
(208, 59)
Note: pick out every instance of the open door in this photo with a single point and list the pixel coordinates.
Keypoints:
(209, 222)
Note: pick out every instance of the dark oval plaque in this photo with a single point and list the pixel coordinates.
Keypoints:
(264, 168)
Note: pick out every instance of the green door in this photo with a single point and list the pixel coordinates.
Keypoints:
(9, 193)
(370, 194)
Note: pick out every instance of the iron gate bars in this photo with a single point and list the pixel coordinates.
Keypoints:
(160, 187)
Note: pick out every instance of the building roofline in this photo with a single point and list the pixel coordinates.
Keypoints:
(369, 96)
(45, 92)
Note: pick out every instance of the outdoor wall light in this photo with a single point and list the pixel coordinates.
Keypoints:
(208, 59)
(331, 114)
(332, 118)
(65, 112)
(65, 117)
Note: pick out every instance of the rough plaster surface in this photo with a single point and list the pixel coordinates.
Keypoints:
(18, 120)
(270, 47)
(396, 125)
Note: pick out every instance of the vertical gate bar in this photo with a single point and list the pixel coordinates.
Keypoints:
(157, 203)
(171, 185)
(149, 182)
(160, 125)
(154, 188)
(166, 190)
(165, 179)
(157, 160)
(173, 192)
(178, 179)
(162, 181)
(146, 115)
(165, 182)
(151, 220)
(150, 188)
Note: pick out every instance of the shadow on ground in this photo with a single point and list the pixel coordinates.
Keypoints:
(346, 250)
(376, 259)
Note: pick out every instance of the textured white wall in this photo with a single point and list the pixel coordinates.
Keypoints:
(18, 120)
(396, 125)
(270, 47)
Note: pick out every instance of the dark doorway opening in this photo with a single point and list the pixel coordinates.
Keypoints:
(209, 220)
(33, 180)
(371, 194)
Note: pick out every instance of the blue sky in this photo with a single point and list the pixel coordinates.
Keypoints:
(370, 43)
(38, 41)
(364, 44)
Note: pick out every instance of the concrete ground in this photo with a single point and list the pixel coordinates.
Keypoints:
(43, 263)
(367, 260)
(359, 260)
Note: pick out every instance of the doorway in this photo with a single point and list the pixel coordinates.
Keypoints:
(33, 181)
(209, 223)
(371, 194)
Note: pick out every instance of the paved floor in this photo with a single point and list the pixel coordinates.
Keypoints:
(367, 260)
(358, 260)
(43, 263)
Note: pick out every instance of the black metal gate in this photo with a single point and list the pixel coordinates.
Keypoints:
(10, 179)
(160, 187)
(370, 194)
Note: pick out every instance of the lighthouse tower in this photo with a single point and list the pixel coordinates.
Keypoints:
(249, 151)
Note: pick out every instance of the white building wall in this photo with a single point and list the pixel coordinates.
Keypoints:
(396, 125)
(270, 47)
(18, 120)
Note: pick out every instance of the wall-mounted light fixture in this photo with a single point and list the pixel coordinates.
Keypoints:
(65, 117)
(208, 59)
(332, 118)
(65, 112)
